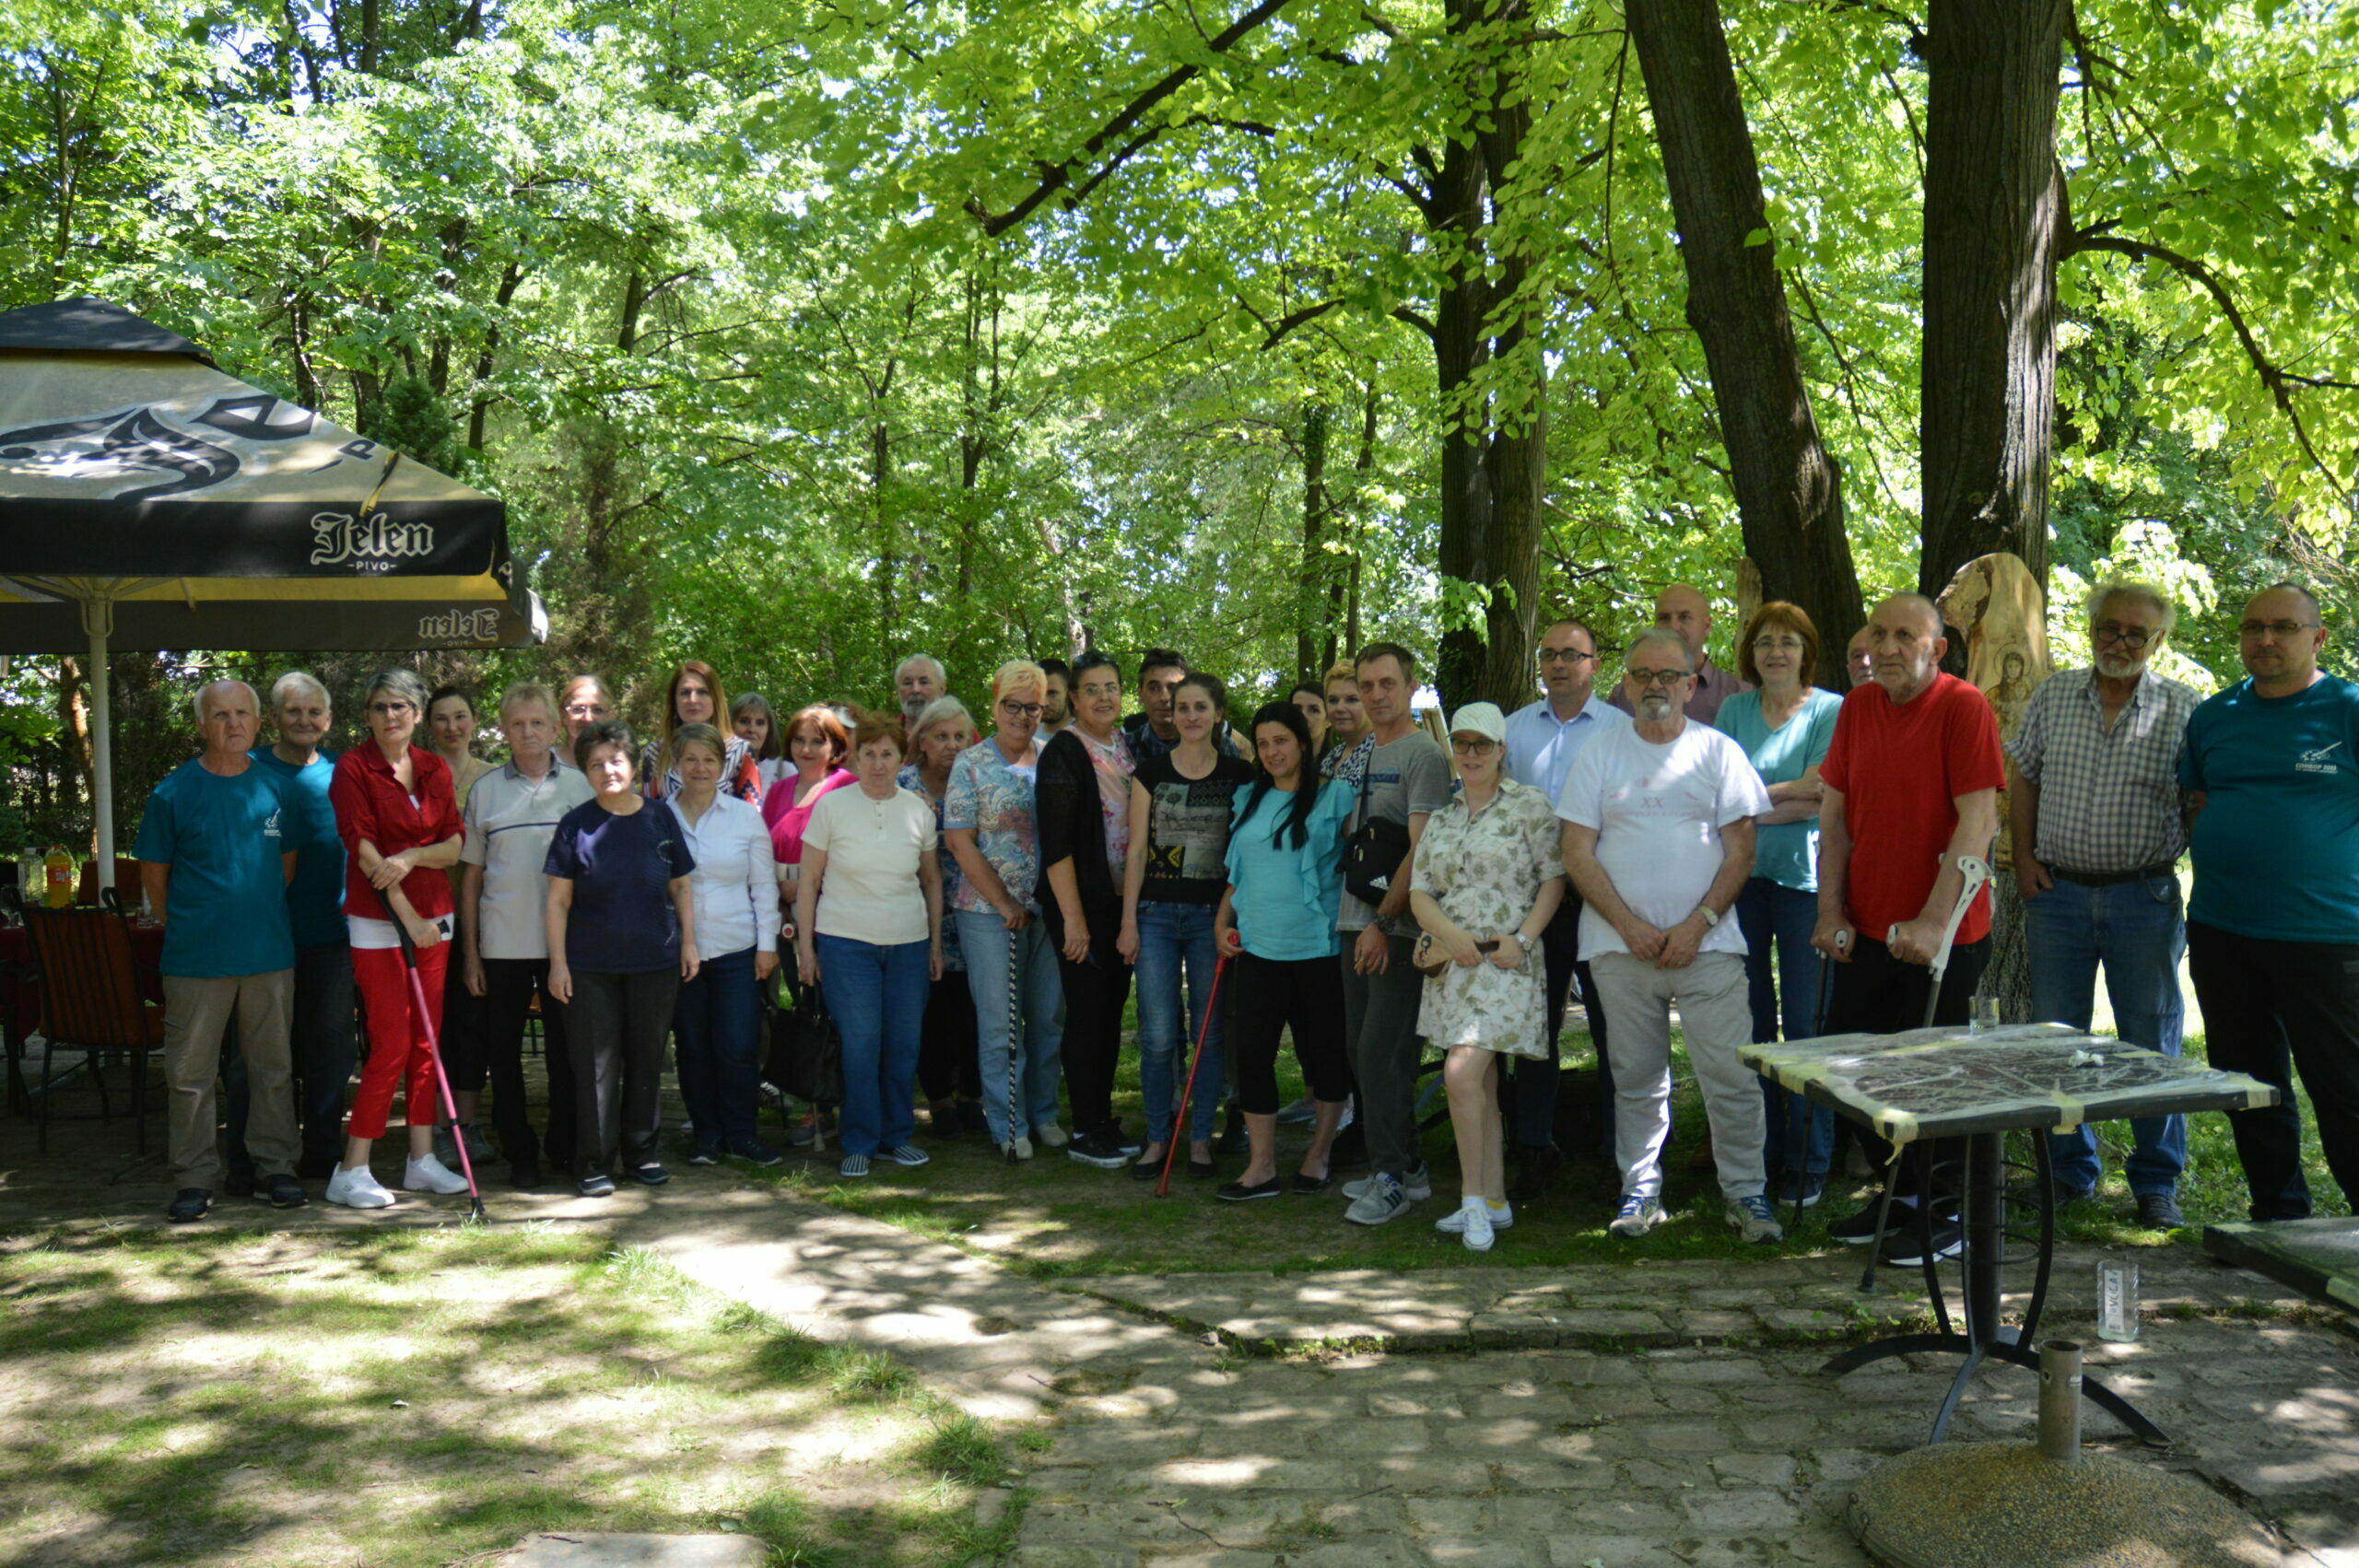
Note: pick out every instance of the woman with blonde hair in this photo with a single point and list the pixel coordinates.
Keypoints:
(989, 818)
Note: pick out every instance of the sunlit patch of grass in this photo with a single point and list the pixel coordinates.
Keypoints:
(962, 1448)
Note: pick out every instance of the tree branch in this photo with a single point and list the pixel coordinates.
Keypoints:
(1055, 177)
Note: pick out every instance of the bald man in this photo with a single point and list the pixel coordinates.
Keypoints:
(217, 849)
(1682, 609)
(1910, 783)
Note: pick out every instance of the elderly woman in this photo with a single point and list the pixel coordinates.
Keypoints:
(950, 1071)
(1785, 728)
(1181, 803)
(719, 1019)
(1276, 925)
(1085, 803)
(987, 815)
(622, 938)
(399, 820)
(868, 934)
(695, 696)
(1488, 878)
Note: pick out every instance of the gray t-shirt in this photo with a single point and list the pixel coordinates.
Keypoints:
(1409, 777)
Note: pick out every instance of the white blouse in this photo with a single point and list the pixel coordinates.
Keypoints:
(735, 882)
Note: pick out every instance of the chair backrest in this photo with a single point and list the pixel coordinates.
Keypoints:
(126, 882)
(89, 987)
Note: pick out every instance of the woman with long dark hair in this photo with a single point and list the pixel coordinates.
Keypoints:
(1276, 924)
(751, 718)
(695, 696)
(1085, 816)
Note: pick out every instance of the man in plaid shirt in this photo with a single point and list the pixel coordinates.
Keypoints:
(2094, 808)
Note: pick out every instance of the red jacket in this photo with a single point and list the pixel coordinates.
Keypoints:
(371, 803)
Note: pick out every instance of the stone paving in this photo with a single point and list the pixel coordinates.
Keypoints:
(1640, 1413)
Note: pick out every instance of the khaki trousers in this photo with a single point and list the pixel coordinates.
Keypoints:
(195, 1013)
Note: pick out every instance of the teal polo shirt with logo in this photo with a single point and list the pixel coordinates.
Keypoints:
(2276, 847)
(226, 905)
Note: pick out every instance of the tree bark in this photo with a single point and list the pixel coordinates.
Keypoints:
(1993, 199)
(1311, 600)
(1789, 490)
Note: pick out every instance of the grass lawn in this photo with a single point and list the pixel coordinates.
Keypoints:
(1051, 1217)
(418, 1397)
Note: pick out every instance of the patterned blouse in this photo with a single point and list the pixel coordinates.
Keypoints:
(1487, 871)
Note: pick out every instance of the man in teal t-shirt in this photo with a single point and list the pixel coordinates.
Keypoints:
(2271, 770)
(216, 857)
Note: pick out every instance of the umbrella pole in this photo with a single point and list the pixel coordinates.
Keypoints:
(98, 619)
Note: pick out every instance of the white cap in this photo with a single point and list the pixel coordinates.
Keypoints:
(1482, 719)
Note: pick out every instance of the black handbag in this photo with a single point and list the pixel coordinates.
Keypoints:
(1376, 848)
(805, 1056)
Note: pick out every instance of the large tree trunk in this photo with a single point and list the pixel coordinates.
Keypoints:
(1311, 585)
(1788, 491)
(1993, 196)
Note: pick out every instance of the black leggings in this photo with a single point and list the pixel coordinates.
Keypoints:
(948, 1061)
(1273, 993)
(1095, 995)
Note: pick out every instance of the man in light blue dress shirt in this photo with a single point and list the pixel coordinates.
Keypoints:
(1544, 738)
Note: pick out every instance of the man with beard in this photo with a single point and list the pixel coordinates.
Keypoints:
(2093, 804)
(1659, 838)
(917, 681)
(1056, 703)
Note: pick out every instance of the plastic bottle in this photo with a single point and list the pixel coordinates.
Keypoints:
(58, 868)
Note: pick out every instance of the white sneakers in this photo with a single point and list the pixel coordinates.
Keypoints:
(1050, 1136)
(426, 1174)
(358, 1187)
(1477, 1224)
(1501, 1216)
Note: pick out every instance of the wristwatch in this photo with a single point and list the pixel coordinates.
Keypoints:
(1710, 919)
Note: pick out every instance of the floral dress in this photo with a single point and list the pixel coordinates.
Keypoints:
(1486, 870)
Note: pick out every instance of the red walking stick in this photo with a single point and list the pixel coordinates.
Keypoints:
(434, 1049)
(1180, 1118)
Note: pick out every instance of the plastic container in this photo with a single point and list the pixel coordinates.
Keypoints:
(2116, 1300)
(58, 878)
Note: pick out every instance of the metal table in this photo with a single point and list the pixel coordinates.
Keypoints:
(1940, 1082)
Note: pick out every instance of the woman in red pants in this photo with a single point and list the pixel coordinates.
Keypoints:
(398, 815)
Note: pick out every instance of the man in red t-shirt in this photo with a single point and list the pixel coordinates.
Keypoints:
(1911, 782)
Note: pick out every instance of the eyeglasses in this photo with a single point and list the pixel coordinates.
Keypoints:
(1478, 746)
(1773, 644)
(2282, 630)
(1563, 655)
(387, 709)
(1015, 709)
(2131, 638)
(1644, 678)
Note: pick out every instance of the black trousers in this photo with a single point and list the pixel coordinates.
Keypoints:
(2269, 1007)
(1095, 994)
(1271, 995)
(947, 1063)
(465, 1035)
(1878, 994)
(1533, 1088)
(615, 1027)
(509, 985)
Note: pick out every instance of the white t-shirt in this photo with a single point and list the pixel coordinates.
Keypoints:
(1659, 809)
(871, 891)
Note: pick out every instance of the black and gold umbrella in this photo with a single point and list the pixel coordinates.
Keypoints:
(149, 501)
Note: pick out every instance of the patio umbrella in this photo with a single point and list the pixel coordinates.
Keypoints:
(149, 501)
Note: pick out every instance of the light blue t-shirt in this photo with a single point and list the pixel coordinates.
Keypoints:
(1788, 853)
(2277, 843)
(315, 899)
(1286, 897)
(225, 907)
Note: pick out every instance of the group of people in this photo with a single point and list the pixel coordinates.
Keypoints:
(970, 906)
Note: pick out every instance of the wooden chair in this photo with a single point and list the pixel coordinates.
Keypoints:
(92, 1002)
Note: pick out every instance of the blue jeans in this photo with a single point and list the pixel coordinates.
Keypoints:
(2137, 930)
(718, 1028)
(1173, 939)
(1780, 964)
(995, 957)
(876, 995)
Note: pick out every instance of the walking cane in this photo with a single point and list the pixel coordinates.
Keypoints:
(1180, 1118)
(1015, 1037)
(434, 1052)
(1976, 871)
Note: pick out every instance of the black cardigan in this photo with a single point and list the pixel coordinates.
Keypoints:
(1072, 821)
